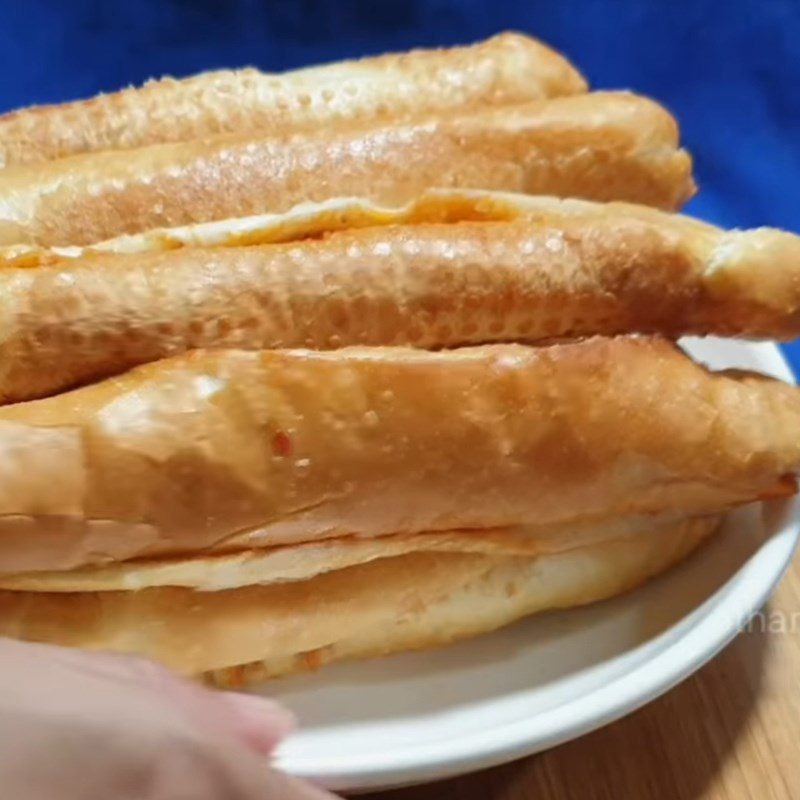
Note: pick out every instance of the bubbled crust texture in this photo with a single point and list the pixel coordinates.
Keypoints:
(508, 68)
(391, 604)
(232, 450)
(570, 269)
(599, 146)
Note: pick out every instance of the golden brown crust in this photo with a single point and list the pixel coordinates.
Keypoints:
(595, 270)
(603, 146)
(397, 603)
(507, 68)
(232, 450)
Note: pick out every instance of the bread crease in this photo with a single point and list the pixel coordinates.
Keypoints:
(450, 269)
(421, 599)
(603, 146)
(289, 563)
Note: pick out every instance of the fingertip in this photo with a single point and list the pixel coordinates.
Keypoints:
(262, 721)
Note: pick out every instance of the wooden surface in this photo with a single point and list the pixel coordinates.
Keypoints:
(730, 732)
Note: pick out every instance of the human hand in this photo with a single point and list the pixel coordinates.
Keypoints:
(93, 726)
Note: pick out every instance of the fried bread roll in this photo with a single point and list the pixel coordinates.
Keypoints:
(230, 450)
(603, 146)
(508, 68)
(420, 599)
(514, 268)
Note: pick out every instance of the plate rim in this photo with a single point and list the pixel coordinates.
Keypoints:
(729, 609)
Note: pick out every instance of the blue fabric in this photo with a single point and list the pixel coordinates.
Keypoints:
(729, 70)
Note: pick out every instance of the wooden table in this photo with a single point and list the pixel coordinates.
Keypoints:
(730, 732)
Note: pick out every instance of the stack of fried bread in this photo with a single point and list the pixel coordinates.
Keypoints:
(364, 357)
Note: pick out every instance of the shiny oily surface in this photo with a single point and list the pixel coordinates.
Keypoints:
(418, 717)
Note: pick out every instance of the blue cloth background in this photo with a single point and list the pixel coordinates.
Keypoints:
(729, 70)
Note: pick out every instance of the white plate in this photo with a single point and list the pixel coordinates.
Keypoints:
(421, 716)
